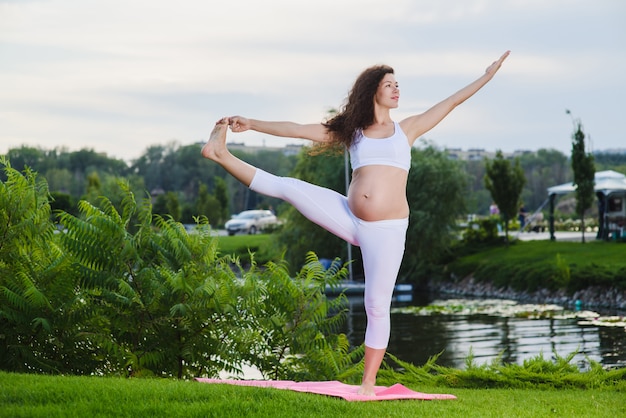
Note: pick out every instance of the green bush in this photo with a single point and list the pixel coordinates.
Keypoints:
(124, 292)
(482, 230)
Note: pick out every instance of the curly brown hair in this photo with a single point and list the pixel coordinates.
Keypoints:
(358, 110)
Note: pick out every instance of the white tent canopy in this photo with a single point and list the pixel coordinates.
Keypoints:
(605, 182)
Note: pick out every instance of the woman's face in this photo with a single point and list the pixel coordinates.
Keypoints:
(388, 92)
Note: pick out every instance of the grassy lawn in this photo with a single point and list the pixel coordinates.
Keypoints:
(598, 252)
(240, 245)
(53, 396)
(528, 265)
(522, 252)
(525, 265)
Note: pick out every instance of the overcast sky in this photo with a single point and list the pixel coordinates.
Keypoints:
(118, 76)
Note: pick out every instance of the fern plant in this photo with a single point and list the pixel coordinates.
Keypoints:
(165, 303)
(122, 291)
(297, 325)
(38, 305)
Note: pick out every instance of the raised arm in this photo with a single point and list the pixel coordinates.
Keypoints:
(417, 125)
(314, 132)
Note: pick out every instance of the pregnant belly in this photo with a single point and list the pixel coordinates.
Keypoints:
(378, 205)
(378, 192)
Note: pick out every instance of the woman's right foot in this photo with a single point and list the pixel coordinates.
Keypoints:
(215, 147)
(366, 390)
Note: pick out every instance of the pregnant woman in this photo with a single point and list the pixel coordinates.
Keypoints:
(374, 214)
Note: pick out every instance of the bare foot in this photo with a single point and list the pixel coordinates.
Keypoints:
(216, 145)
(366, 389)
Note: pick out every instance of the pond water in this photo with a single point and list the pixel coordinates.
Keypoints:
(416, 337)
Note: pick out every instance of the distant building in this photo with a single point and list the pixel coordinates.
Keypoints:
(611, 151)
(289, 149)
(479, 154)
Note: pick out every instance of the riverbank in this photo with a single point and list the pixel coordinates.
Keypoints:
(595, 270)
(601, 298)
(589, 275)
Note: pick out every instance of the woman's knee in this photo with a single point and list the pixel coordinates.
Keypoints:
(377, 309)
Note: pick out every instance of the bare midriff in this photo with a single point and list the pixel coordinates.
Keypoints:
(378, 192)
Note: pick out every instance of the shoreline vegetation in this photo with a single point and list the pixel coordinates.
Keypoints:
(538, 271)
(591, 275)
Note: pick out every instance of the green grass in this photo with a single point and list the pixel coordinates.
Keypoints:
(241, 243)
(599, 252)
(53, 396)
(527, 265)
(262, 245)
(523, 265)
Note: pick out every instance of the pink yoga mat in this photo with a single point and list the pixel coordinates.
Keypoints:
(337, 389)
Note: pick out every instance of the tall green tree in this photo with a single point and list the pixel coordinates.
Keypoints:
(542, 169)
(173, 205)
(26, 156)
(167, 204)
(584, 174)
(221, 194)
(93, 189)
(436, 193)
(505, 182)
(208, 205)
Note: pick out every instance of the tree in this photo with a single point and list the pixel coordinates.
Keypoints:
(61, 202)
(208, 205)
(543, 169)
(59, 180)
(167, 204)
(584, 173)
(93, 187)
(505, 182)
(221, 194)
(436, 193)
(26, 157)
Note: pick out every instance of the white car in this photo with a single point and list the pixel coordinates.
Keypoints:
(250, 222)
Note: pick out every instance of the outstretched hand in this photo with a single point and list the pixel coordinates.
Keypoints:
(495, 66)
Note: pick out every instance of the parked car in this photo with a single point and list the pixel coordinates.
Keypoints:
(250, 222)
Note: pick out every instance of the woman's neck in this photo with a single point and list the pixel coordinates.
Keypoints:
(381, 116)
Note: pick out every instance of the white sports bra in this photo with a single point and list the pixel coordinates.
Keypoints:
(394, 150)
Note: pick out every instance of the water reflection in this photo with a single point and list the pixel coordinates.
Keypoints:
(415, 338)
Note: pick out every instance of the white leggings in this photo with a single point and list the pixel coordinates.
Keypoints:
(381, 242)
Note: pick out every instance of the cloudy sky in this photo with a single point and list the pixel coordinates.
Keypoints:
(118, 76)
